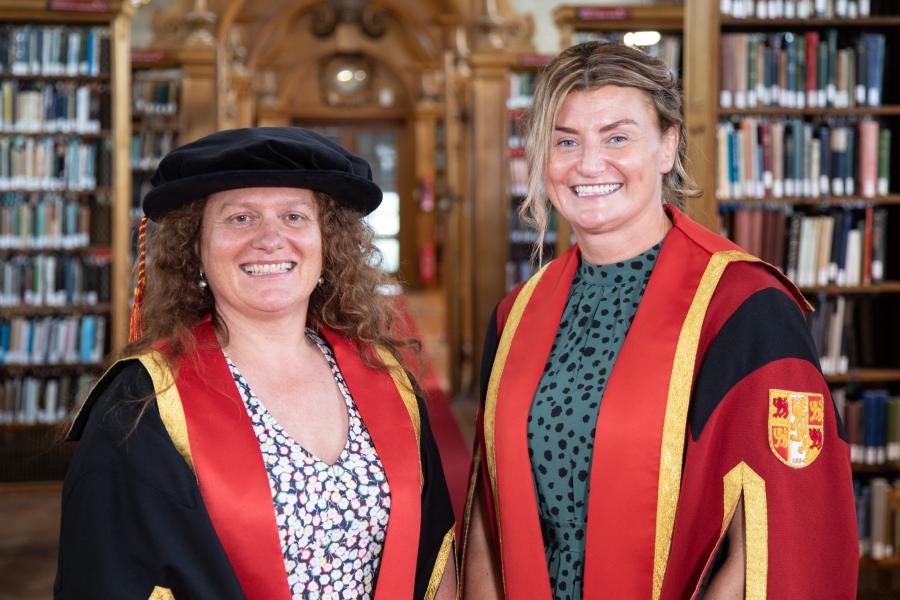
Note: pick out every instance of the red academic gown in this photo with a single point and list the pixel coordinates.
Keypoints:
(179, 505)
(716, 395)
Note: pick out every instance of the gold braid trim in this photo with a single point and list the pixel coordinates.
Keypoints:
(407, 394)
(490, 404)
(440, 564)
(169, 402)
(672, 450)
(161, 593)
(742, 480)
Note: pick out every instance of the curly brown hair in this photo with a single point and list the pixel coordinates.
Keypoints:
(347, 301)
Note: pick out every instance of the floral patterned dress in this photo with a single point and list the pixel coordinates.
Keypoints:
(331, 519)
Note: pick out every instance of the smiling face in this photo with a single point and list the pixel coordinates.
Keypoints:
(261, 250)
(605, 166)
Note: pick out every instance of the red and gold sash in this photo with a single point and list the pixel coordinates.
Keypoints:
(209, 425)
(639, 439)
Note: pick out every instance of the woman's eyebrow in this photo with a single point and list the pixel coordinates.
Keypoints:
(613, 125)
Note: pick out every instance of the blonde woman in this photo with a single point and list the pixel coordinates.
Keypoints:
(655, 423)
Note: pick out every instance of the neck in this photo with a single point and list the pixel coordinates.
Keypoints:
(625, 242)
(265, 339)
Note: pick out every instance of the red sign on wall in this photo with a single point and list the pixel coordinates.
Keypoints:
(92, 6)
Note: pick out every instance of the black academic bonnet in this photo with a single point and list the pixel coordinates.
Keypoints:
(261, 157)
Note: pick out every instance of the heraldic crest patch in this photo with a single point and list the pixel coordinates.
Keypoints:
(796, 426)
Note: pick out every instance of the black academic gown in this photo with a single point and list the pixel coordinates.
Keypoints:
(156, 505)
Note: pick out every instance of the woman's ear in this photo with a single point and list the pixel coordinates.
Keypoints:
(670, 139)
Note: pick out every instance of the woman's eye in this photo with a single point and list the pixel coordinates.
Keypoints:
(296, 217)
(565, 143)
(241, 218)
(618, 139)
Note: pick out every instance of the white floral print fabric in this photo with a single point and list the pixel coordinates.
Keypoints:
(332, 519)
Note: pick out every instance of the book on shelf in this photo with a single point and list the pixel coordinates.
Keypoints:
(55, 279)
(802, 69)
(795, 9)
(155, 92)
(49, 163)
(762, 157)
(843, 246)
(871, 420)
(877, 518)
(521, 89)
(34, 399)
(148, 147)
(54, 50)
(43, 221)
(53, 106)
(67, 340)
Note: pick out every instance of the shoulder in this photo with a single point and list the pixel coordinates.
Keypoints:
(754, 323)
(118, 392)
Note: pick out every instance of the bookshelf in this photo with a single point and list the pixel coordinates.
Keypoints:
(64, 192)
(638, 25)
(155, 102)
(522, 76)
(791, 142)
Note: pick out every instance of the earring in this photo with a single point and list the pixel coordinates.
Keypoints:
(321, 281)
(202, 283)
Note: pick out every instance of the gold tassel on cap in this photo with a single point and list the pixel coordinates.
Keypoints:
(134, 326)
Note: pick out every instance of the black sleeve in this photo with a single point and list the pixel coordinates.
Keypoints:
(437, 512)
(766, 328)
(132, 515)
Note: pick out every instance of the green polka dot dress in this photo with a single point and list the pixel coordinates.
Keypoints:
(602, 303)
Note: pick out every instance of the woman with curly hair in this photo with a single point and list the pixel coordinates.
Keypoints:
(260, 438)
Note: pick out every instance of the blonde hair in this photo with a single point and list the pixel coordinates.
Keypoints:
(586, 67)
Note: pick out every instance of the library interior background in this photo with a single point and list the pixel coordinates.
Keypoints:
(791, 109)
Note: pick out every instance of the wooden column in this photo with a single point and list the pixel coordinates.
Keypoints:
(197, 116)
(120, 34)
(701, 94)
(425, 119)
(489, 89)
(457, 263)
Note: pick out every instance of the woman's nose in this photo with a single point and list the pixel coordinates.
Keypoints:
(592, 162)
(269, 236)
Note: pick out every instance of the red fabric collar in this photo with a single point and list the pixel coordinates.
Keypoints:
(233, 480)
(625, 467)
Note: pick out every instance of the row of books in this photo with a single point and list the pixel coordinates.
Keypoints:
(155, 92)
(31, 399)
(872, 421)
(50, 50)
(55, 279)
(665, 47)
(52, 340)
(53, 107)
(149, 146)
(841, 246)
(877, 523)
(795, 9)
(830, 327)
(774, 158)
(801, 69)
(48, 220)
(521, 89)
(52, 163)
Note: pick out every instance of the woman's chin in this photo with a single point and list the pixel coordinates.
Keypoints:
(592, 222)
